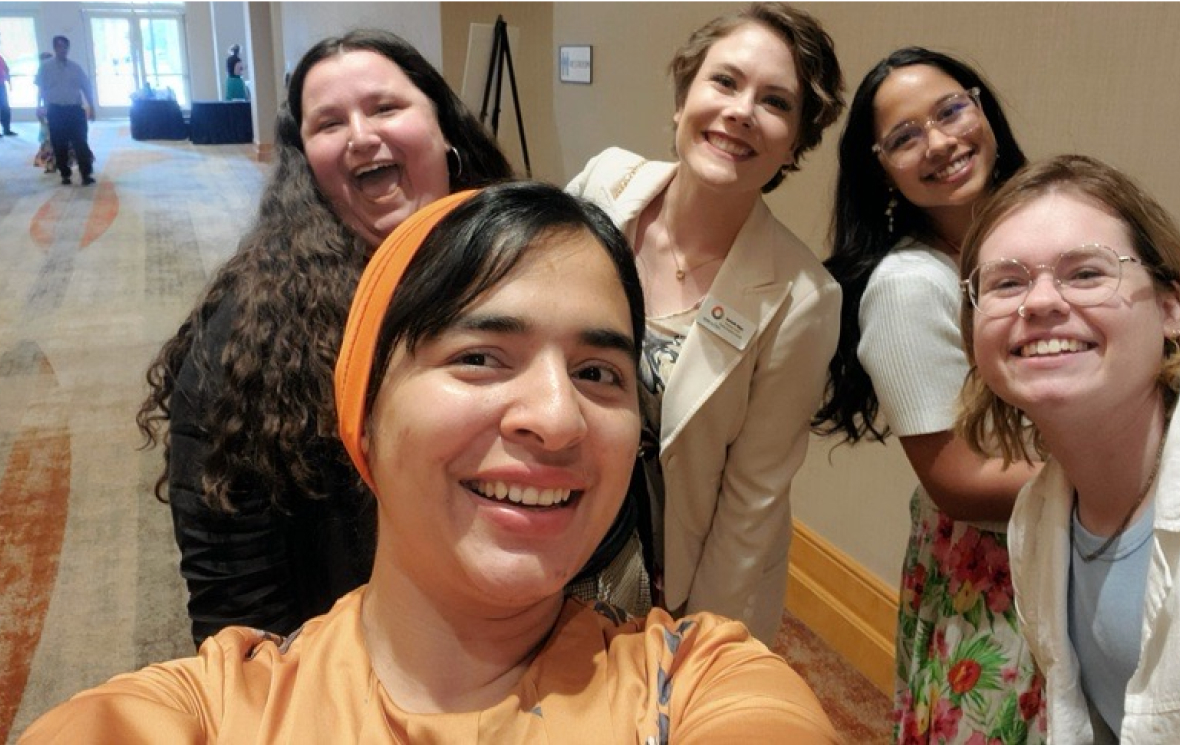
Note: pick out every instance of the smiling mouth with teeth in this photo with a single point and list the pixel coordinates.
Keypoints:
(950, 169)
(523, 496)
(378, 179)
(371, 168)
(1045, 347)
(731, 147)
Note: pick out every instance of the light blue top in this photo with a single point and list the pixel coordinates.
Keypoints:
(1106, 611)
(64, 83)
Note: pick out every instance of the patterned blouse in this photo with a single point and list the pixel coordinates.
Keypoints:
(661, 349)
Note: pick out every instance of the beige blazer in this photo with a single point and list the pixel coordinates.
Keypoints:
(735, 421)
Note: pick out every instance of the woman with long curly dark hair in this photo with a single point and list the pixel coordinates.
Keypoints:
(272, 521)
(925, 144)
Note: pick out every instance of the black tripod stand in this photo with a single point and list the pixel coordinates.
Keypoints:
(501, 54)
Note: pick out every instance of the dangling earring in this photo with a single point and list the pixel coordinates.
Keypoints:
(889, 206)
(454, 151)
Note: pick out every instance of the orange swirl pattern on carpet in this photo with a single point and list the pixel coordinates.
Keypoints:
(34, 497)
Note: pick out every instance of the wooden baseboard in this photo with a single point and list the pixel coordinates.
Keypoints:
(845, 605)
(264, 152)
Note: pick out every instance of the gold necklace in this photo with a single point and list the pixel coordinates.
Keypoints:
(1159, 453)
(681, 272)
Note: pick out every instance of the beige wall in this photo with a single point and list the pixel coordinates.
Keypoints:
(1099, 78)
(533, 60)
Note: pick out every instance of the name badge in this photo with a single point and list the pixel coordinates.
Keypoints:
(725, 322)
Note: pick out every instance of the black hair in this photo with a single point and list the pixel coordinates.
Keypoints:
(480, 159)
(476, 246)
(861, 236)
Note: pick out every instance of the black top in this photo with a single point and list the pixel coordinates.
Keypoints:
(231, 65)
(260, 567)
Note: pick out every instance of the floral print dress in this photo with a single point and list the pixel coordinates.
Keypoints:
(964, 672)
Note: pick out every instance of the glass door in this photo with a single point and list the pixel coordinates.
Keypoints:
(133, 51)
(162, 52)
(18, 42)
(115, 76)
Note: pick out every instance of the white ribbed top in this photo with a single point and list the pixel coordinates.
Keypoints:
(910, 342)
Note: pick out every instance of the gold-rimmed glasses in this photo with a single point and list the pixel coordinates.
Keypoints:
(1085, 276)
(956, 115)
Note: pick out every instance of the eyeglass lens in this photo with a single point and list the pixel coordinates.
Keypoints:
(954, 116)
(1084, 277)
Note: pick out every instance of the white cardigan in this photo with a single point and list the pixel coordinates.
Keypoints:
(1038, 542)
(735, 422)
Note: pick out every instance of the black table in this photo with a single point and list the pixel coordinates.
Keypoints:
(221, 122)
(157, 120)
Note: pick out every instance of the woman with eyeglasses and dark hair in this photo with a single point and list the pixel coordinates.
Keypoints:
(925, 143)
(1071, 320)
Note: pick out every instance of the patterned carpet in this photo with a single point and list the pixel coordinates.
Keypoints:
(93, 280)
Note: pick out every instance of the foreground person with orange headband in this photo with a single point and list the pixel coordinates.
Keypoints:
(489, 398)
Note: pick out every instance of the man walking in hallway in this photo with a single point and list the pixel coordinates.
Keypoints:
(62, 86)
(5, 109)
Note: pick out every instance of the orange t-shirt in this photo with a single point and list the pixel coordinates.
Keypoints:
(649, 681)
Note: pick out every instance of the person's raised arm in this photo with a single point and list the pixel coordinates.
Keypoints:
(726, 690)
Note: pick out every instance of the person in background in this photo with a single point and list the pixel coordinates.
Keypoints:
(742, 319)
(272, 522)
(1071, 320)
(65, 92)
(44, 157)
(926, 142)
(5, 88)
(235, 87)
(487, 390)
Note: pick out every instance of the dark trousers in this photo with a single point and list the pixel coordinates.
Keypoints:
(5, 109)
(68, 126)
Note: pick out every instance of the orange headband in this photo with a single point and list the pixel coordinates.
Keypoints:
(373, 295)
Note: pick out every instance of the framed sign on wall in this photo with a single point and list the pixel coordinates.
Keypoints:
(575, 64)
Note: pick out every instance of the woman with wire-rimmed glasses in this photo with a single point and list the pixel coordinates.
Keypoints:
(926, 142)
(1071, 316)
